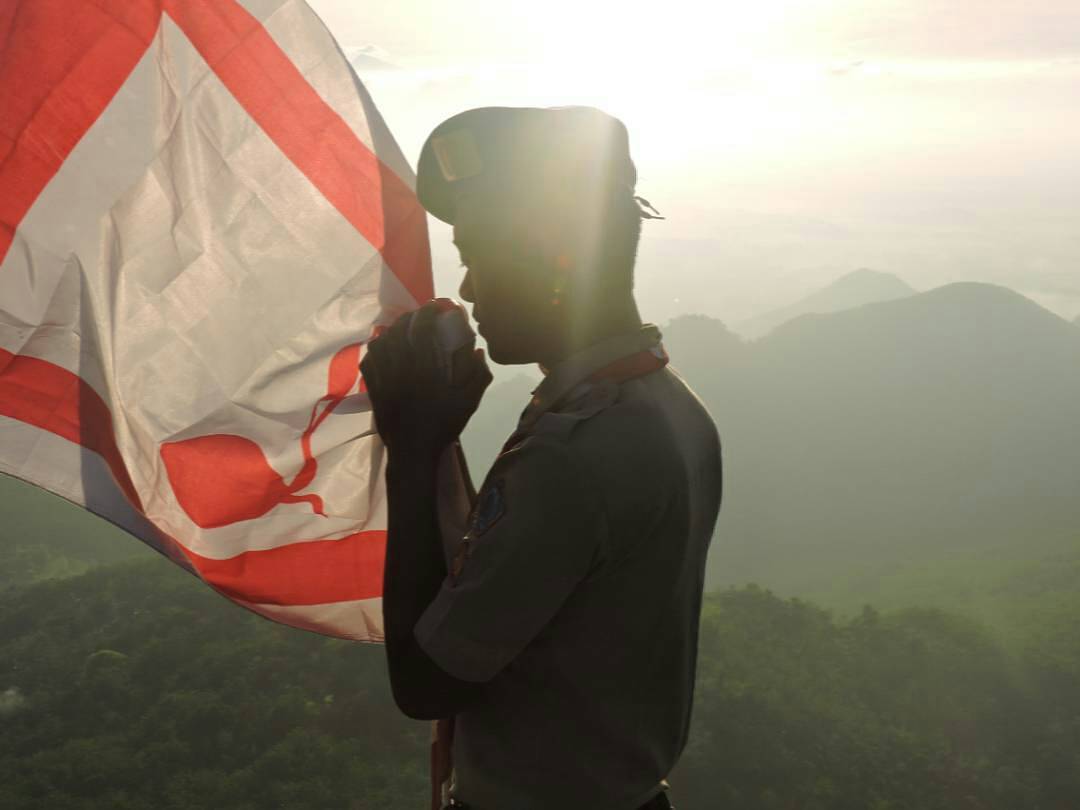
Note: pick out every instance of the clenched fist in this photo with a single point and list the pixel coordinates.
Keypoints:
(418, 408)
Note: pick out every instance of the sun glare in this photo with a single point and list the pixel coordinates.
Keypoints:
(753, 81)
(684, 76)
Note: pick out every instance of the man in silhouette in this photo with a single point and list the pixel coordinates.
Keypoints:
(562, 629)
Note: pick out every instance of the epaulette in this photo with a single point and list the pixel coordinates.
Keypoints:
(582, 404)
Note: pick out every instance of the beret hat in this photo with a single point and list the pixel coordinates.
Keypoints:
(546, 155)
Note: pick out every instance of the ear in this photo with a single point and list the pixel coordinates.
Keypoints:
(564, 265)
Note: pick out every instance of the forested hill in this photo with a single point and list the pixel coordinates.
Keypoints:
(133, 687)
(944, 420)
(44, 537)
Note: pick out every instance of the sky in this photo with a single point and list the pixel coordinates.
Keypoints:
(787, 141)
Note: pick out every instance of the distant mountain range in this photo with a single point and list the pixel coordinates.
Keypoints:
(942, 419)
(847, 292)
(883, 433)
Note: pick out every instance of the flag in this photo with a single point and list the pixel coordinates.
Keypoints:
(203, 218)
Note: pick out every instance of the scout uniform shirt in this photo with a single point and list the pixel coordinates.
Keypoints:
(575, 593)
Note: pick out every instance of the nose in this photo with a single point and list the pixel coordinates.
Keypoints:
(466, 288)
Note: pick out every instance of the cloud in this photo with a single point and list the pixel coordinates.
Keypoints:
(845, 68)
(960, 29)
(11, 702)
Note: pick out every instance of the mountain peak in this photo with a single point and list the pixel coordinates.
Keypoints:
(864, 278)
(977, 315)
(854, 289)
(983, 294)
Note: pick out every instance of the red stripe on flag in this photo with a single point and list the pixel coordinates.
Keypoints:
(311, 573)
(262, 78)
(52, 398)
(61, 63)
(7, 17)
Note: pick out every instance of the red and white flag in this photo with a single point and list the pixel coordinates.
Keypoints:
(202, 219)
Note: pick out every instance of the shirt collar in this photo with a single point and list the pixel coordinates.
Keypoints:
(578, 367)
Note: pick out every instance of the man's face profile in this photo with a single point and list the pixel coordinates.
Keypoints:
(510, 278)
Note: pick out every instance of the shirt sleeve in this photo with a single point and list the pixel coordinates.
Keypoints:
(534, 534)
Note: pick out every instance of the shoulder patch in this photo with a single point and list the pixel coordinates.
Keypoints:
(489, 508)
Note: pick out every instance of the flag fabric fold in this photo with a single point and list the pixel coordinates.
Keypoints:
(203, 219)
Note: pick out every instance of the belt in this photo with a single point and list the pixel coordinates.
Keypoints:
(658, 802)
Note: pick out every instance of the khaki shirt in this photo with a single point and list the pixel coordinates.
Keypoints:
(576, 592)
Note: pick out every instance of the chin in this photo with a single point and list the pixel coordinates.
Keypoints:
(499, 355)
(506, 353)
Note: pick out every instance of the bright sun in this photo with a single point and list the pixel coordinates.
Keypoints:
(702, 75)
